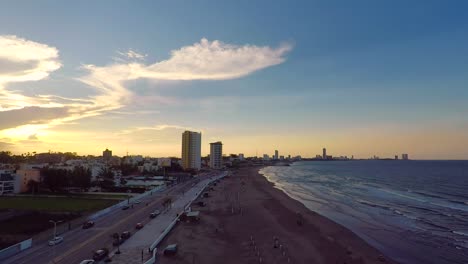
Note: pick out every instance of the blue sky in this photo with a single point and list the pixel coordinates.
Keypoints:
(360, 77)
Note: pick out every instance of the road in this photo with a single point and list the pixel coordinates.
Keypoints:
(79, 243)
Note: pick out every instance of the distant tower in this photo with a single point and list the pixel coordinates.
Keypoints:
(404, 156)
(396, 157)
(276, 154)
(324, 153)
(107, 154)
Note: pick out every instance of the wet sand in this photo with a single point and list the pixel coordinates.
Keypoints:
(247, 220)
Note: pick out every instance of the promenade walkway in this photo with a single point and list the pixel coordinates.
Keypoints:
(135, 249)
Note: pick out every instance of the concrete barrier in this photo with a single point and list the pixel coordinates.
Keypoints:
(125, 202)
(153, 258)
(13, 250)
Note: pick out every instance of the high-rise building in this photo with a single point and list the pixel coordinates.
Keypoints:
(241, 156)
(107, 154)
(216, 155)
(191, 150)
(404, 156)
(276, 155)
(324, 156)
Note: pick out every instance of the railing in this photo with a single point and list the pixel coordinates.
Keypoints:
(13, 250)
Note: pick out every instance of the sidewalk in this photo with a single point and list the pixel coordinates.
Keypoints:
(136, 247)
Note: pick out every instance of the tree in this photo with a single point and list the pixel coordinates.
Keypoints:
(128, 169)
(81, 177)
(106, 178)
(33, 186)
(55, 179)
(5, 157)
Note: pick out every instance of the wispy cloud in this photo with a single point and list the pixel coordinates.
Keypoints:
(155, 128)
(131, 54)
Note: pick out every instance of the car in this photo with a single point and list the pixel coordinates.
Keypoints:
(125, 235)
(125, 207)
(87, 261)
(100, 254)
(155, 213)
(137, 202)
(139, 226)
(170, 250)
(55, 241)
(88, 224)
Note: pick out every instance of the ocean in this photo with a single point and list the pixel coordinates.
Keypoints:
(412, 211)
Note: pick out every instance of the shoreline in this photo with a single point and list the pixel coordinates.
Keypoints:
(248, 220)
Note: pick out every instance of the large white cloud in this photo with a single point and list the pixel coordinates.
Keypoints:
(24, 60)
(205, 60)
(29, 60)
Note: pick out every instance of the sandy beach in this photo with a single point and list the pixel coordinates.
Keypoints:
(247, 220)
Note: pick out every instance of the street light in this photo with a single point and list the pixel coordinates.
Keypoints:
(55, 226)
(55, 235)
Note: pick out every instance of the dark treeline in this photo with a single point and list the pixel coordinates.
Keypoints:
(57, 180)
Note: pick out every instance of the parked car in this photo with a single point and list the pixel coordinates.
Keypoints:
(155, 213)
(139, 226)
(137, 202)
(55, 241)
(170, 250)
(125, 207)
(88, 224)
(87, 261)
(125, 235)
(100, 254)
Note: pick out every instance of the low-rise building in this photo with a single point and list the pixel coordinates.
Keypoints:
(24, 176)
(8, 182)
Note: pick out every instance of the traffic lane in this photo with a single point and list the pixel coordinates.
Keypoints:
(128, 224)
(42, 253)
(140, 217)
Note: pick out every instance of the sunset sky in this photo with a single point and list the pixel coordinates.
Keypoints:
(361, 78)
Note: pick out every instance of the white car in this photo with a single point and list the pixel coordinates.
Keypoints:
(55, 241)
(87, 261)
(137, 202)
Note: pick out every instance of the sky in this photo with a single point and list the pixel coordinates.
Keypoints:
(360, 78)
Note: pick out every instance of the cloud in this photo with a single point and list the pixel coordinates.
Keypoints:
(31, 115)
(155, 128)
(131, 54)
(23, 60)
(33, 137)
(205, 60)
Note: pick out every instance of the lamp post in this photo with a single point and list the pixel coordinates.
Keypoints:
(55, 235)
(118, 246)
(55, 226)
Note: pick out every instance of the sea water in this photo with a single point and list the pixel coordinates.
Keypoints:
(412, 211)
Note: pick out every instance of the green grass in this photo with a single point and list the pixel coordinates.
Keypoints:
(55, 204)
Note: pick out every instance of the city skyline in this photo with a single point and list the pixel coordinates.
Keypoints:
(85, 76)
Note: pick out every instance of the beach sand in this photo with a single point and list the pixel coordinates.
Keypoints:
(245, 216)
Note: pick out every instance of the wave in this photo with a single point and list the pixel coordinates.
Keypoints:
(462, 233)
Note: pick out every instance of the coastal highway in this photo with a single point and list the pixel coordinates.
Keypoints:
(79, 244)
